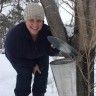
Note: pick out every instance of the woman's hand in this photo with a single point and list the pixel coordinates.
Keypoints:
(36, 69)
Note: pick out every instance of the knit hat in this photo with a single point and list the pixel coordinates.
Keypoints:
(33, 10)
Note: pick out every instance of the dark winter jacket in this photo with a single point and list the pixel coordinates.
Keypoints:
(20, 47)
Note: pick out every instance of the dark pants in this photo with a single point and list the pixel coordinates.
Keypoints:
(24, 77)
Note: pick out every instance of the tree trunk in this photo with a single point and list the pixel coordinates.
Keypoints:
(85, 25)
(53, 18)
(84, 39)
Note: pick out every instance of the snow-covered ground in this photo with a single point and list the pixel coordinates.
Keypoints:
(8, 76)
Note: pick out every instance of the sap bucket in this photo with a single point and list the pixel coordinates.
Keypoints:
(64, 72)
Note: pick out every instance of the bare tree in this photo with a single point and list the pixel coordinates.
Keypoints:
(87, 42)
(8, 21)
(53, 18)
(84, 39)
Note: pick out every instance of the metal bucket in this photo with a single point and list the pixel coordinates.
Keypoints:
(64, 73)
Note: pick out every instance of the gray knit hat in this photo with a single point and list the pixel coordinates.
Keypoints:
(33, 10)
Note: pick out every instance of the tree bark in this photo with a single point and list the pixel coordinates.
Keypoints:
(85, 39)
(53, 18)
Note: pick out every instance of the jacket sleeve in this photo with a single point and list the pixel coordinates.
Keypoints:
(13, 49)
(51, 50)
(12, 44)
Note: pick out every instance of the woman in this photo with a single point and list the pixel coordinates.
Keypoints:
(28, 50)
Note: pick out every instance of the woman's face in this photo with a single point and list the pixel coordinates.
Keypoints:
(34, 26)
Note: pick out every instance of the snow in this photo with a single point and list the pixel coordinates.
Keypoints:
(8, 76)
(8, 79)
